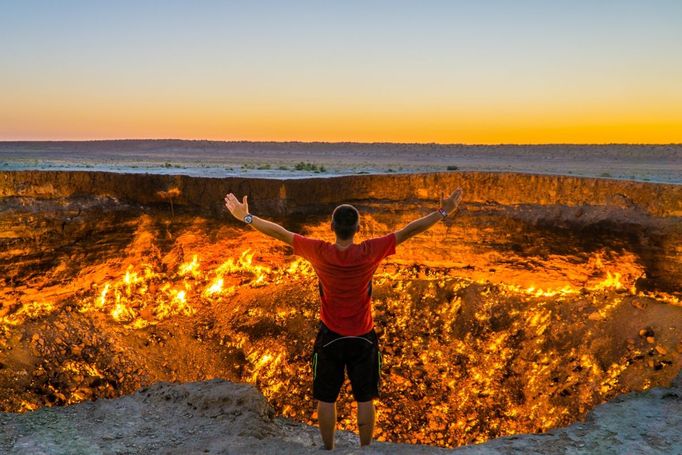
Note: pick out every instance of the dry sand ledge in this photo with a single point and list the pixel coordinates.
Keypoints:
(220, 417)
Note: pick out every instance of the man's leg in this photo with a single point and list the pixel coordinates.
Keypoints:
(366, 417)
(326, 416)
(328, 376)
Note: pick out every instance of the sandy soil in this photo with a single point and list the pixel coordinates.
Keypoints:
(219, 417)
(656, 163)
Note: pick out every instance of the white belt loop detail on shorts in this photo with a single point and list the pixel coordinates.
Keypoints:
(341, 338)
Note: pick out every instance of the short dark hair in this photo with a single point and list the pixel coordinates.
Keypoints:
(345, 221)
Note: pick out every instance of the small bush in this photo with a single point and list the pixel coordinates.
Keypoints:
(605, 174)
(303, 166)
(452, 168)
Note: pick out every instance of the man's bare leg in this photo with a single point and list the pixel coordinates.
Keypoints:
(326, 417)
(366, 417)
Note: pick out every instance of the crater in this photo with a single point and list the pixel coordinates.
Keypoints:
(543, 297)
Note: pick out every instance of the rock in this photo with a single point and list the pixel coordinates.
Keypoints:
(646, 332)
(661, 350)
(595, 316)
(221, 417)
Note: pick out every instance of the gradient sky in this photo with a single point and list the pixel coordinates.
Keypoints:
(398, 71)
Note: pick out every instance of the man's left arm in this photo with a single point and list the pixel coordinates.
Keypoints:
(241, 209)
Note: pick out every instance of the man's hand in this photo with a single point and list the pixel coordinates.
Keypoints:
(450, 204)
(238, 209)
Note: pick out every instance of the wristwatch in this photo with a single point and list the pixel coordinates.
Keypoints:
(248, 219)
(442, 212)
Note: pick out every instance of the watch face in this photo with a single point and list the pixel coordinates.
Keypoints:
(248, 219)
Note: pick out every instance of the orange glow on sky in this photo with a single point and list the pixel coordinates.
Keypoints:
(519, 72)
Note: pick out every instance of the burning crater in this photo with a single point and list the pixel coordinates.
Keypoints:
(544, 297)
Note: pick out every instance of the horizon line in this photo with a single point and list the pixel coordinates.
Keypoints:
(244, 141)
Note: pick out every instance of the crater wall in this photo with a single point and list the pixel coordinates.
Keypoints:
(283, 197)
(509, 224)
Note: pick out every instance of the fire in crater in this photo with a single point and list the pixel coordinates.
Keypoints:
(480, 339)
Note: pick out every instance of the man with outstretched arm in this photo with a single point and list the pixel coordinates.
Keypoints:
(346, 341)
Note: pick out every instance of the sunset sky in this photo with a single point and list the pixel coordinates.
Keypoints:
(390, 71)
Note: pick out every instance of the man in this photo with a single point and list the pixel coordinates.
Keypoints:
(346, 340)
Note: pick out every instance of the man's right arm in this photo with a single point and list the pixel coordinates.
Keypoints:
(423, 223)
(240, 210)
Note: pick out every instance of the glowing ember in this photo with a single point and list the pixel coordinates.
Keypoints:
(465, 359)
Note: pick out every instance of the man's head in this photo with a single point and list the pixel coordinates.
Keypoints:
(345, 221)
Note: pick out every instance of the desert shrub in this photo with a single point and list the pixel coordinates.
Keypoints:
(305, 166)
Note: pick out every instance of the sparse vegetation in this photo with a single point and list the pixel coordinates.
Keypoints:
(452, 168)
(306, 166)
(264, 167)
(283, 168)
(604, 174)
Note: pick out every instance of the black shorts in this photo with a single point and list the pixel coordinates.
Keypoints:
(358, 355)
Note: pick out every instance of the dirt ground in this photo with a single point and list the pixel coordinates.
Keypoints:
(655, 163)
(219, 417)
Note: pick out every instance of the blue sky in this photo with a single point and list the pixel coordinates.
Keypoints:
(361, 70)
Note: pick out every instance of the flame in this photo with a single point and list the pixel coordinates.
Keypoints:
(471, 367)
(25, 406)
(31, 310)
(215, 288)
(190, 268)
(612, 281)
(174, 294)
(103, 296)
(122, 313)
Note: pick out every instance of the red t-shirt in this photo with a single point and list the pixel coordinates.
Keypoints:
(345, 277)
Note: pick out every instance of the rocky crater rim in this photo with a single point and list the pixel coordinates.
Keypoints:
(282, 197)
